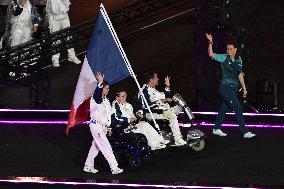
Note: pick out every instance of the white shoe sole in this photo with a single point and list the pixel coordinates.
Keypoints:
(75, 62)
(219, 135)
(56, 65)
(178, 144)
(116, 173)
(89, 171)
(250, 136)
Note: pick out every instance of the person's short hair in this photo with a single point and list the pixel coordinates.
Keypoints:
(118, 91)
(104, 83)
(231, 42)
(148, 75)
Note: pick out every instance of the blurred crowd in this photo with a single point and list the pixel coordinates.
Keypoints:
(24, 20)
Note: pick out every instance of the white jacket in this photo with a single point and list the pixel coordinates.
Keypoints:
(101, 113)
(57, 9)
(24, 19)
(126, 109)
(154, 97)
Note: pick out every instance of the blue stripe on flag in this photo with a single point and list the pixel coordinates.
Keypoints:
(103, 54)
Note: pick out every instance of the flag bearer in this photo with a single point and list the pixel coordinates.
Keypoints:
(100, 113)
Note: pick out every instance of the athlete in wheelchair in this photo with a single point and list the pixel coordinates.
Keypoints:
(133, 138)
(159, 104)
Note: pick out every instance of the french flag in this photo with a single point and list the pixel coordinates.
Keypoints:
(104, 55)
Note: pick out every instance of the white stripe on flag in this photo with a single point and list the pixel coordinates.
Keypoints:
(86, 85)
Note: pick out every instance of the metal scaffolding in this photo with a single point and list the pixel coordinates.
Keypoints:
(30, 63)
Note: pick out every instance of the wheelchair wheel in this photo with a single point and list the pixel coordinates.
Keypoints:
(199, 132)
(134, 161)
(195, 139)
(198, 146)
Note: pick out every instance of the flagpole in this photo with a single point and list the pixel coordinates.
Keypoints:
(115, 37)
(104, 13)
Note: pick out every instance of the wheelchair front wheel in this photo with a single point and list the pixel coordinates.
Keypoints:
(198, 145)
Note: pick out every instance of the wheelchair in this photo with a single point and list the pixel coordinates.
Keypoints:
(128, 147)
(194, 137)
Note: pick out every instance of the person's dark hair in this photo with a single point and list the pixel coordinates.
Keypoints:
(148, 75)
(104, 83)
(96, 92)
(231, 42)
(118, 91)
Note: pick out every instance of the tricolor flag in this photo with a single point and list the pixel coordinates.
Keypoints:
(104, 55)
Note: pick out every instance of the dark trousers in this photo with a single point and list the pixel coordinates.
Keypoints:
(229, 95)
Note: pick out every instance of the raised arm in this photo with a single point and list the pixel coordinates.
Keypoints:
(98, 91)
(210, 49)
(168, 93)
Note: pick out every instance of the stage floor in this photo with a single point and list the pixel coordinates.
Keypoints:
(45, 152)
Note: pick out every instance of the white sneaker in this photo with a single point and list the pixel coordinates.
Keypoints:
(55, 63)
(180, 142)
(74, 59)
(249, 135)
(160, 146)
(165, 142)
(116, 171)
(219, 132)
(12, 74)
(90, 169)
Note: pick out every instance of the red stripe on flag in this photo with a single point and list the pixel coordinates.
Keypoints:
(78, 116)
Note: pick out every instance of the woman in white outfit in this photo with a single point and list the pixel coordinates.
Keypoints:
(58, 19)
(123, 114)
(100, 112)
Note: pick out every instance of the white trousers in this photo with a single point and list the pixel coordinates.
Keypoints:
(171, 116)
(56, 25)
(153, 137)
(100, 143)
(20, 34)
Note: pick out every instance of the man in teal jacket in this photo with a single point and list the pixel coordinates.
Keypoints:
(231, 75)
